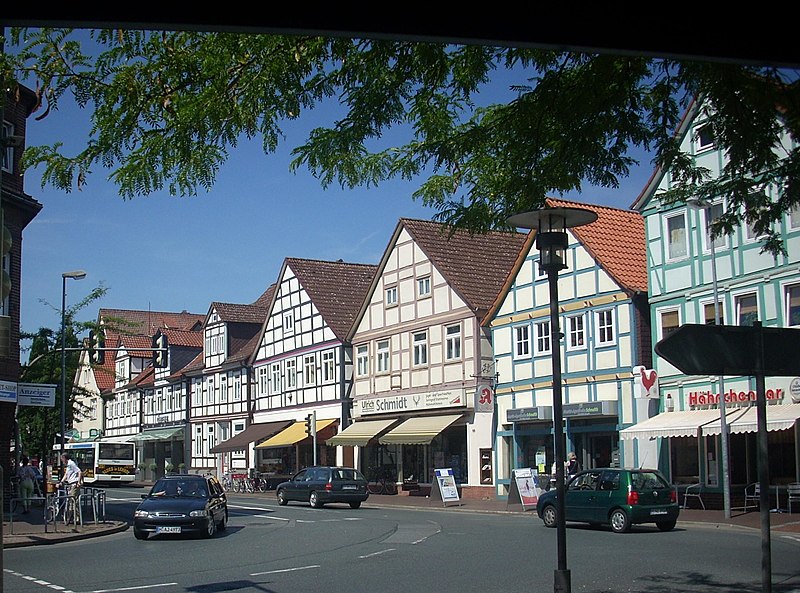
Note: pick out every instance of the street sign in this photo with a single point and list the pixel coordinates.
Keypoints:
(696, 349)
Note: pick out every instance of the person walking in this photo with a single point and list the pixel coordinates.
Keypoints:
(573, 466)
(27, 477)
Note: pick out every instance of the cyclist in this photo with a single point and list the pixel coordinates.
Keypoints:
(72, 475)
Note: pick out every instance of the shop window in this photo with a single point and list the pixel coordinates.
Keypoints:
(684, 460)
(486, 466)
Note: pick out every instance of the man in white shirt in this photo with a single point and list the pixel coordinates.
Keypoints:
(72, 475)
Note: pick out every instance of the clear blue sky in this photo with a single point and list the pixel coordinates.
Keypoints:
(169, 253)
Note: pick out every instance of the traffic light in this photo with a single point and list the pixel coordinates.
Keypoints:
(311, 425)
(160, 350)
(96, 345)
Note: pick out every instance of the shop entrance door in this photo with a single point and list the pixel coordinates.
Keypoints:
(600, 450)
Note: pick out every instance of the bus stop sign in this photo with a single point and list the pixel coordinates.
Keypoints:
(696, 349)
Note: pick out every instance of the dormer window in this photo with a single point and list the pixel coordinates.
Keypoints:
(704, 138)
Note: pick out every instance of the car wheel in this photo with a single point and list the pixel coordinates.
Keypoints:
(211, 526)
(139, 534)
(314, 500)
(282, 500)
(223, 524)
(666, 525)
(549, 516)
(620, 523)
(355, 505)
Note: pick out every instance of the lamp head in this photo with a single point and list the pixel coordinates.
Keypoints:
(75, 275)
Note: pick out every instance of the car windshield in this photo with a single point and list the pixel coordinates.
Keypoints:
(179, 488)
(345, 474)
(647, 481)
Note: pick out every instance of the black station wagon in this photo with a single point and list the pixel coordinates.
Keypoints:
(320, 485)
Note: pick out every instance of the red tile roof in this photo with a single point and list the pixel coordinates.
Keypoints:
(177, 337)
(265, 300)
(337, 289)
(235, 313)
(147, 322)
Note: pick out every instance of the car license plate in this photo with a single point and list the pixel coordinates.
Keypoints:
(655, 512)
(169, 529)
(349, 487)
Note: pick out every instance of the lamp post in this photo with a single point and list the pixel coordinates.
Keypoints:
(75, 275)
(551, 226)
(703, 205)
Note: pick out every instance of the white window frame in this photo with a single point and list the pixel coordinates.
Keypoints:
(542, 337)
(707, 306)
(576, 331)
(737, 303)
(383, 357)
(328, 366)
(720, 242)
(288, 322)
(419, 341)
(263, 380)
(605, 324)
(275, 378)
(699, 144)
(390, 293)
(5, 304)
(668, 237)
(424, 287)
(787, 304)
(522, 341)
(452, 337)
(223, 389)
(794, 217)
(660, 319)
(291, 373)
(309, 370)
(362, 360)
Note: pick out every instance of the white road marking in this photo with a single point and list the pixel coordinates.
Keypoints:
(134, 588)
(791, 537)
(65, 590)
(377, 553)
(256, 574)
(271, 517)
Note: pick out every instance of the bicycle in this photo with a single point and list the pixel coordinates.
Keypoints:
(381, 482)
(62, 507)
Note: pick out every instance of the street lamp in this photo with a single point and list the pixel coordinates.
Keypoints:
(75, 275)
(703, 205)
(551, 226)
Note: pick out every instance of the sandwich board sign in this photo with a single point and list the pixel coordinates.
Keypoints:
(444, 487)
(524, 490)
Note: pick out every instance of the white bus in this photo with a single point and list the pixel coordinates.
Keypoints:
(103, 461)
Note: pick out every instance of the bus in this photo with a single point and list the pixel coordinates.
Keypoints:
(103, 461)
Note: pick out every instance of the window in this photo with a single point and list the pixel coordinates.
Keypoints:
(746, 309)
(6, 303)
(710, 214)
(362, 360)
(542, 337)
(704, 137)
(391, 296)
(211, 440)
(275, 378)
(223, 389)
(604, 321)
(382, 357)
(669, 321)
(328, 366)
(288, 323)
(793, 305)
(540, 271)
(263, 381)
(676, 236)
(577, 332)
(420, 348)
(424, 286)
(453, 342)
(8, 153)
(522, 341)
(291, 374)
(310, 367)
(710, 315)
(794, 216)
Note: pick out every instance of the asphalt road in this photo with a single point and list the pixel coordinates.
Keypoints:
(336, 549)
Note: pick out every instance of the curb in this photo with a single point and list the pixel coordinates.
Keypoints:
(23, 541)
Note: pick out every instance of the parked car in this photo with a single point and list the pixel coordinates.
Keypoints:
(320, 485)
(614, 496)
(186, 504)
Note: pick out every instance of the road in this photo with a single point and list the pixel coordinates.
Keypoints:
(297, 549)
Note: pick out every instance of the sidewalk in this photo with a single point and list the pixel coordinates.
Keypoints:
(28, 530)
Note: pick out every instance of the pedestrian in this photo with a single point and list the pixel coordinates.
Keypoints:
(27, 477)
(72, 475)
(572, 466)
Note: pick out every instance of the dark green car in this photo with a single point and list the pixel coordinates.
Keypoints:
(617, 497)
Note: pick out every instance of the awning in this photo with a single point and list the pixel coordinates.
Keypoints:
(418, 431)
(360, 433)
(255, 433)
(292, 434)
(159, 434)
(746, 419)
(670, 424)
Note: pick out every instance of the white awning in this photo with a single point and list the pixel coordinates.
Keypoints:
(360, 433)
(746, 419)
(670, 424)
(418, 431)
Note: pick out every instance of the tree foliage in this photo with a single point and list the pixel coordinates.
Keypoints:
(168, 107)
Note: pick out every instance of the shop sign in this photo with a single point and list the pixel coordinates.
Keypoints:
(794, 389)
(432, 400)
(36, 394)
(604, 408)
(8, 392)
(484, 398)
(706, 398)
(645, 383)
(524, 488)
(447, 485)
(529, 414)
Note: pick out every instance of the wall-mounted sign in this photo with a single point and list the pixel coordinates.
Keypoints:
(36, 394)
(645, 382)
(529, 414)
(794, 389)
(603, 408)
(8, 392)
(484, 398)
(432, 400)
(733, 397)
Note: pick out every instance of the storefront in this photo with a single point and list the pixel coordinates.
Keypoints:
(291, 449)
(160, 449)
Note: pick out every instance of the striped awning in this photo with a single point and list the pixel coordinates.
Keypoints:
(292, 434)
(779, 417)
(686, 423)
(418, 431)
(359, 434)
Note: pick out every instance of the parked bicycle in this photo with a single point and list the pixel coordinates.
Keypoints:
(63, 508)
(381, 480)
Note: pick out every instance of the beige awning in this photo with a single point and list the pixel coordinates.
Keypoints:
(360, 433)
(292, 434)
(418, 431)
(670, 424)
(746, 419)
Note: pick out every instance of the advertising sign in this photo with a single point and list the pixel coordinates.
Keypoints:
(36, 394)
(433, 400)
(446, 484)
(8, 392)
(645, 383)
(484, 398)
(525, 489)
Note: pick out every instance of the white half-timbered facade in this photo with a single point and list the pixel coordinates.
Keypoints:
(303, 363)
(420, 354)
(122, 408)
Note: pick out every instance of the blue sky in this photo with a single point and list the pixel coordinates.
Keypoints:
(167, 253)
